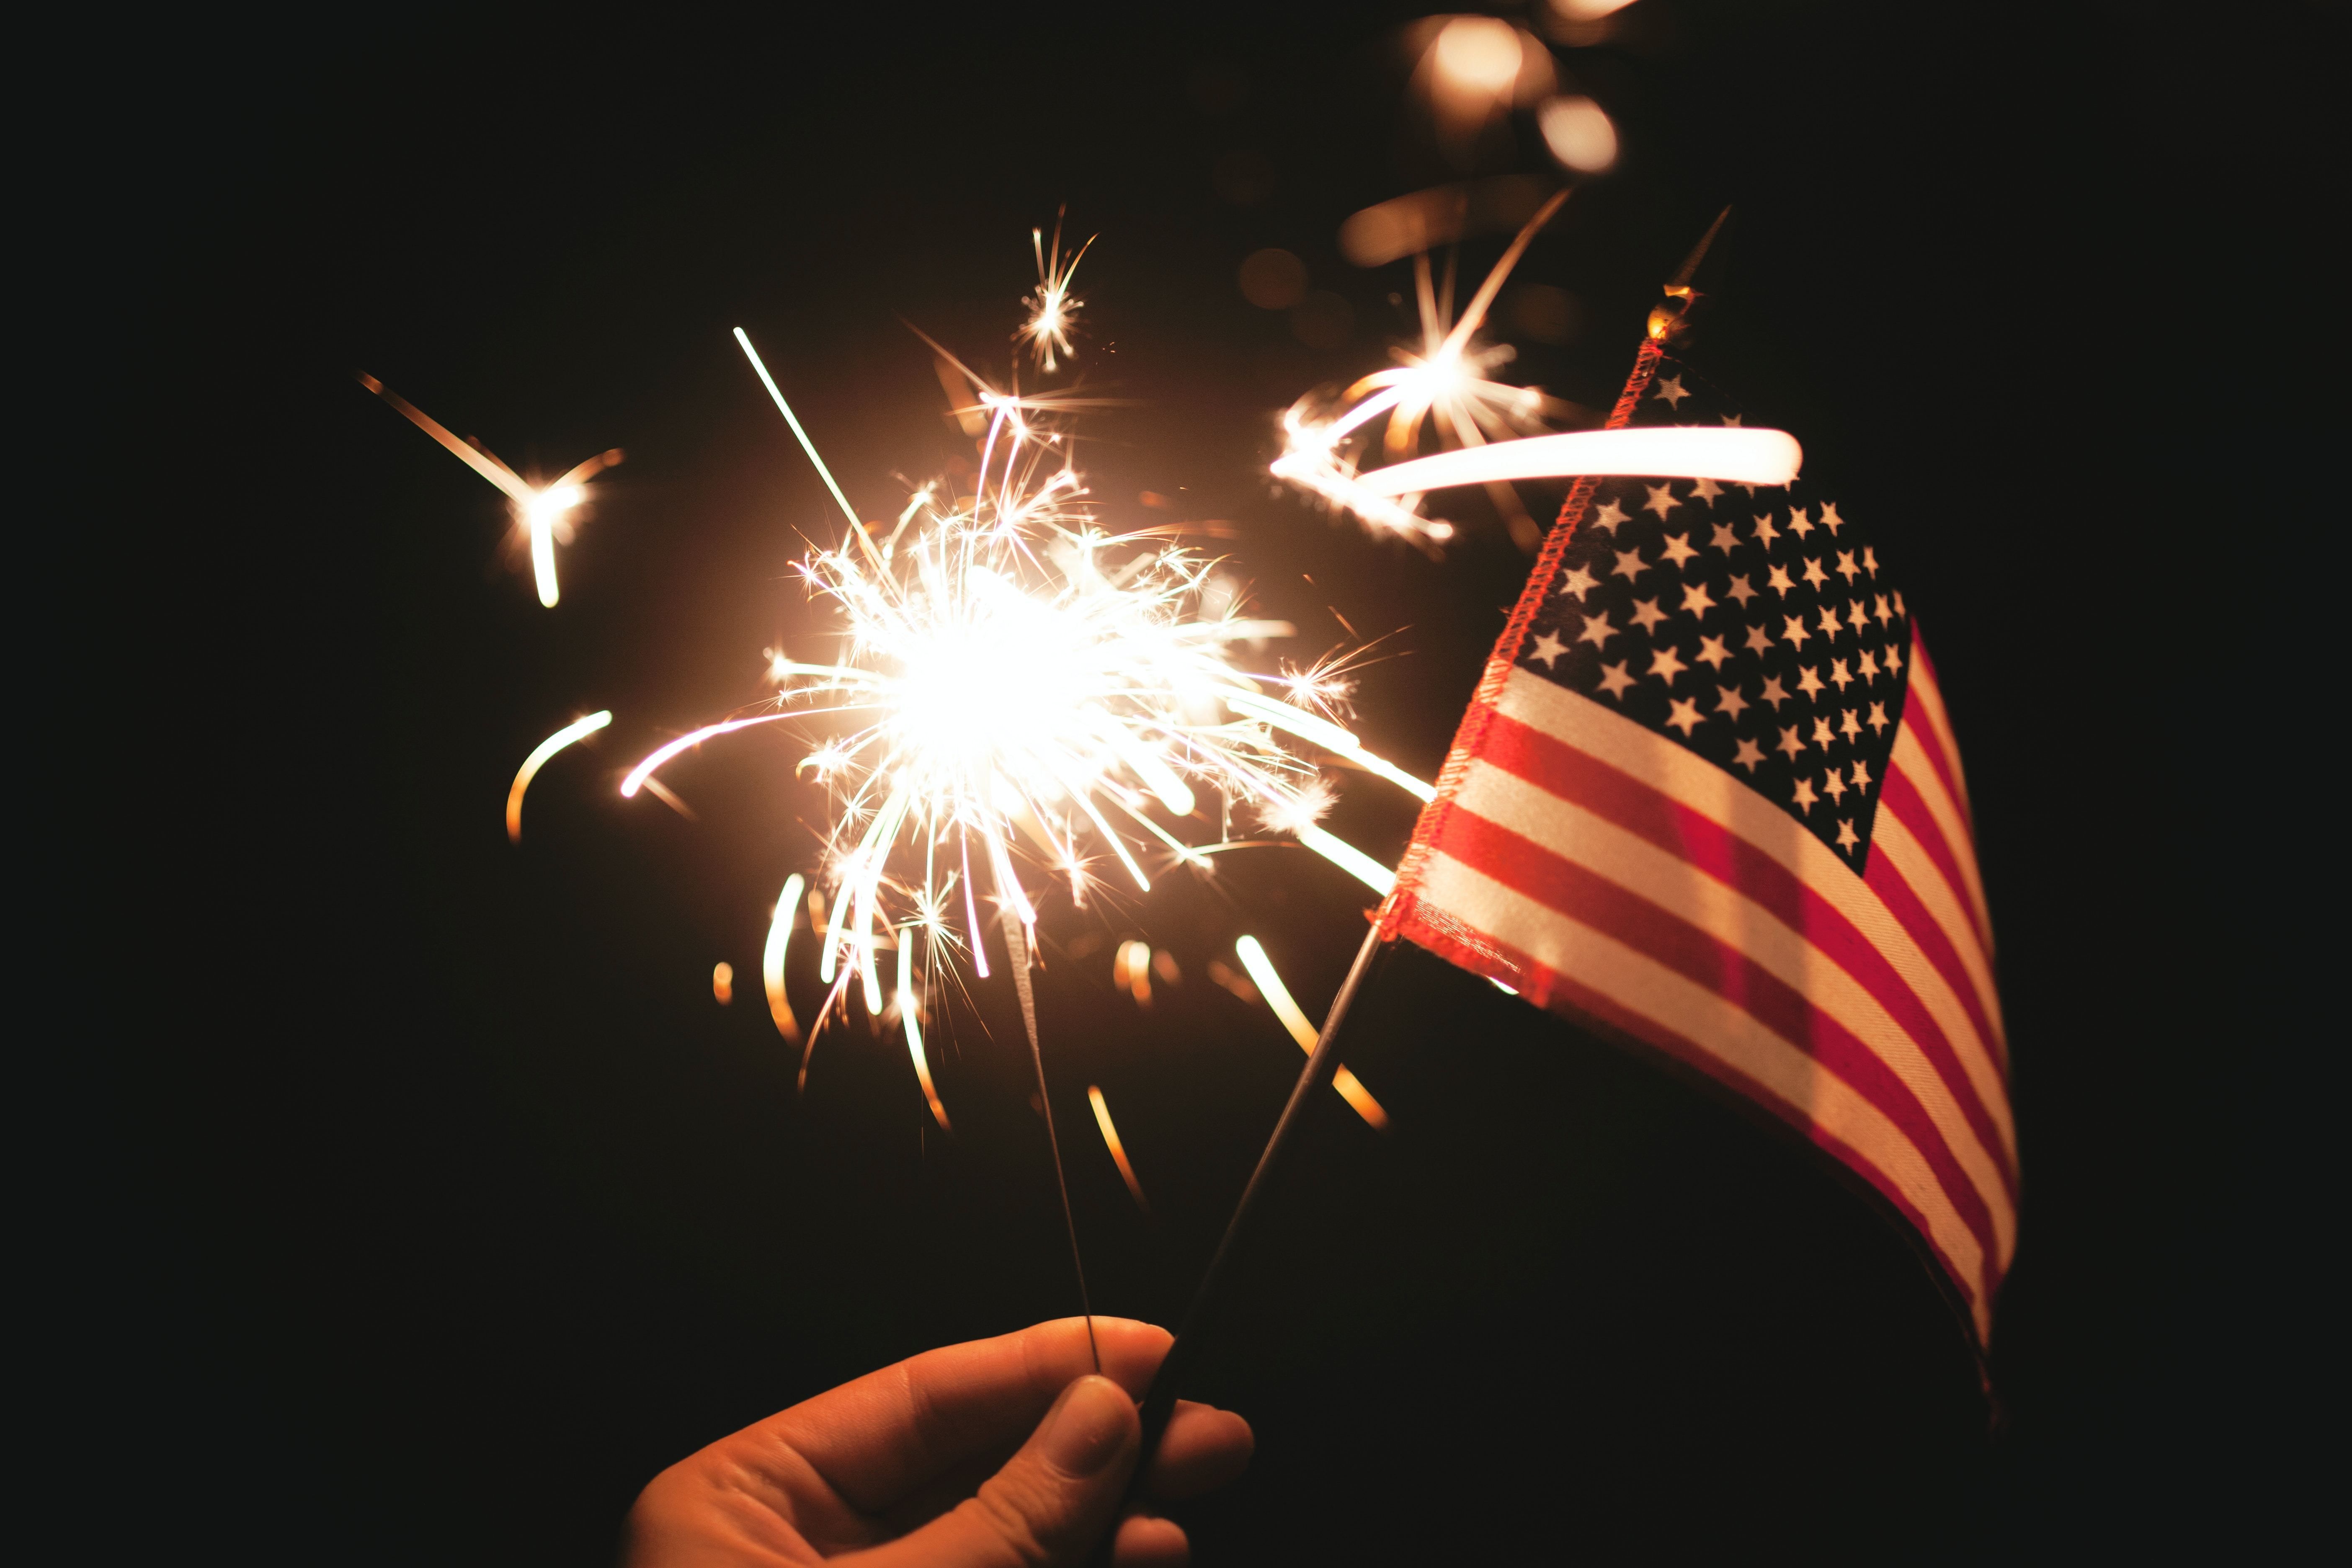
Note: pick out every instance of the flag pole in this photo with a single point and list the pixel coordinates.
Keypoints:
(1666, 323)
(1322, 1062)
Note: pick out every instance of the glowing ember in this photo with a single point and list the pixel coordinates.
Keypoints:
(1131, 971)
(1052, 310)
(540, 753)
(543, 513)
(909, 1013)
(1117, 1150)
(1277, 996)
(771, 958)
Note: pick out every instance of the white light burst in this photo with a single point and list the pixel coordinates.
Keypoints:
(1014, 687)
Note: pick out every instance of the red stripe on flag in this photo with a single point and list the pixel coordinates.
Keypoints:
(1573, 776)
(1530, 603)
(1561, 885)
(1936, 737)
(1926, 934)
(1563, 994)
(1900, 796)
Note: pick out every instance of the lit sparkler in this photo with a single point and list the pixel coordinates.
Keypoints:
(1053, 311)
(1496, 430)
(544, 513)
(1446, 385)
(1016, 687)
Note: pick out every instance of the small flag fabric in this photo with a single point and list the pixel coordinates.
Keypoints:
(1707, 797)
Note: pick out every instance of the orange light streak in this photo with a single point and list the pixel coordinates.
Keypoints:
(907, 1010)
(1277, 996)
(1117, 1150)
(771, 958)
(577, 729)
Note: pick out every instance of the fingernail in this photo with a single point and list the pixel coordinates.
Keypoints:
(1088, 1426)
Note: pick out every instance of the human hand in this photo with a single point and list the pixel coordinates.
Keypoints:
(923, 1465)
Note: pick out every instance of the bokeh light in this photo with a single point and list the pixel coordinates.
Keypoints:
(1579, 133)
(1272, 280)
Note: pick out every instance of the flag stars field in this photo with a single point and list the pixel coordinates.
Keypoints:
(1821, 676)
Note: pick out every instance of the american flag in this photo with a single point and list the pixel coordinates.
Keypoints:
(1706, 797)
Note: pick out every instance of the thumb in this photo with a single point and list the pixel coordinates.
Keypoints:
(1049, 1503)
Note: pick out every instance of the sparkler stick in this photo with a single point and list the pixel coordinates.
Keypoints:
(1016, 949)
(1200, 1317)
(1322, 1065)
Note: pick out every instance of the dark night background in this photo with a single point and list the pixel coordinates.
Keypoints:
(442, 1205)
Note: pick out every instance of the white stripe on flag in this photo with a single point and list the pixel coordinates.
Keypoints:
(1910, 861)
(1642, 986)
(1728, 916)
(1912, 762)
(1692, 781)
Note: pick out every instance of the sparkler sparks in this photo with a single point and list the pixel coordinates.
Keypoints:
(1446, 383)
(1497, 430)
(1015, 686)
(1277, 996)
(578, 730)
(1117, 1150)
(909, 1016)
(544, 513)
(771, 958)
(1053, 311)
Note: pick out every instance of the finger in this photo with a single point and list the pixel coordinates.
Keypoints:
(1050, 1502)
(1145, 1541)
(1203, 1448)
(883, 1436)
